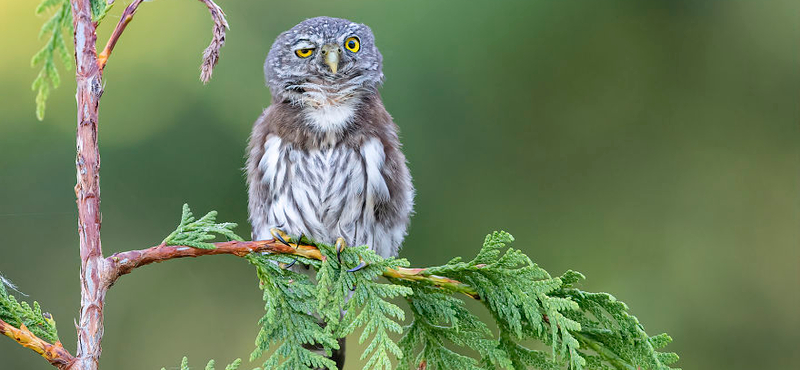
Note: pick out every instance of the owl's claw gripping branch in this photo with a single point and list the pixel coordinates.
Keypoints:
(361, 265)
(281, 236)
(340, 246)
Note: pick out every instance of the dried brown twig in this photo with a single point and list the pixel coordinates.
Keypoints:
(210, 54)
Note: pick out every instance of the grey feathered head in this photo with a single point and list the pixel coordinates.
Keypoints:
(323, 58)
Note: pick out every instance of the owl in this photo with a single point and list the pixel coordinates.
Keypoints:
(324, 159)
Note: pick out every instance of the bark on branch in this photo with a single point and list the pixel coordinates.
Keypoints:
(123, 263)
(54, 353)
(87, 190)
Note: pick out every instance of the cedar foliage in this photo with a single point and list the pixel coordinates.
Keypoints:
(584, 330)
(56, 29)
(19, 313)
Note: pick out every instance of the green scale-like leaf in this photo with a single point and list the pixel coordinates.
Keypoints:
(210, 365)
(289, 321)
(584, 330)
(17, 313)
(197, 233)
(57, 30)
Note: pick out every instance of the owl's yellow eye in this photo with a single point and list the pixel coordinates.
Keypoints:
(304, 53)
(352, 44)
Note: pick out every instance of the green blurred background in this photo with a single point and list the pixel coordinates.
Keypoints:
(652, 145)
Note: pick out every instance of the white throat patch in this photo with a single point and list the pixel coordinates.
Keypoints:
(331, 117)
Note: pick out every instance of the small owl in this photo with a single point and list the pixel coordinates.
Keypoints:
(324, 158)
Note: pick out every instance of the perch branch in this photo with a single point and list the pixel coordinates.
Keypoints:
(123, 263)
(54, 353)
(124, 19)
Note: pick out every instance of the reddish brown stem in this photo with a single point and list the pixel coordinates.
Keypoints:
(123, 263)
(124, 19)
(54, 353)
(87, 163)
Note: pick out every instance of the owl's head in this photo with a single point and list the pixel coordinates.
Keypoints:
(323, 58)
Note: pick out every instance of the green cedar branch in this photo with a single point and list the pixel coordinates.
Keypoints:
(197, 232)
(210, 365)
(54, 353)
(58, 27)
(30, 327)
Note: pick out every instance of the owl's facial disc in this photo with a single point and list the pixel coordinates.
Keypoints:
(323, 59)
(331, 55)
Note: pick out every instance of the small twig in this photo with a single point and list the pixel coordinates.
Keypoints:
(211, 54)
(54, 353)
(422, 274)
(126, 18)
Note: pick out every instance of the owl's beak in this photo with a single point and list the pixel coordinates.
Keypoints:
(331, 55)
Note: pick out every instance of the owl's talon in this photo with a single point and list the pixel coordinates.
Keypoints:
(280, 236)
(361, 265)
(291, 264)
(340, 246)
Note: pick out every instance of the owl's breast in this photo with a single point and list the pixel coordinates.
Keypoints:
(323, 193)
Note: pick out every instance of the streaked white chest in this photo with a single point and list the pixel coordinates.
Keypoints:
(324, 193)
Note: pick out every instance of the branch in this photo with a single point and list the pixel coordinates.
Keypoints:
(54, 353)
(422, 274)
(125, 18)
(87, 191)
(123, 263)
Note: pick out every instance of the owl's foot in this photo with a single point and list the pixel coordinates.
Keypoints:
(340, 246)
(361, 265)
(283, 237)
(286, 266)
(280, 236)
